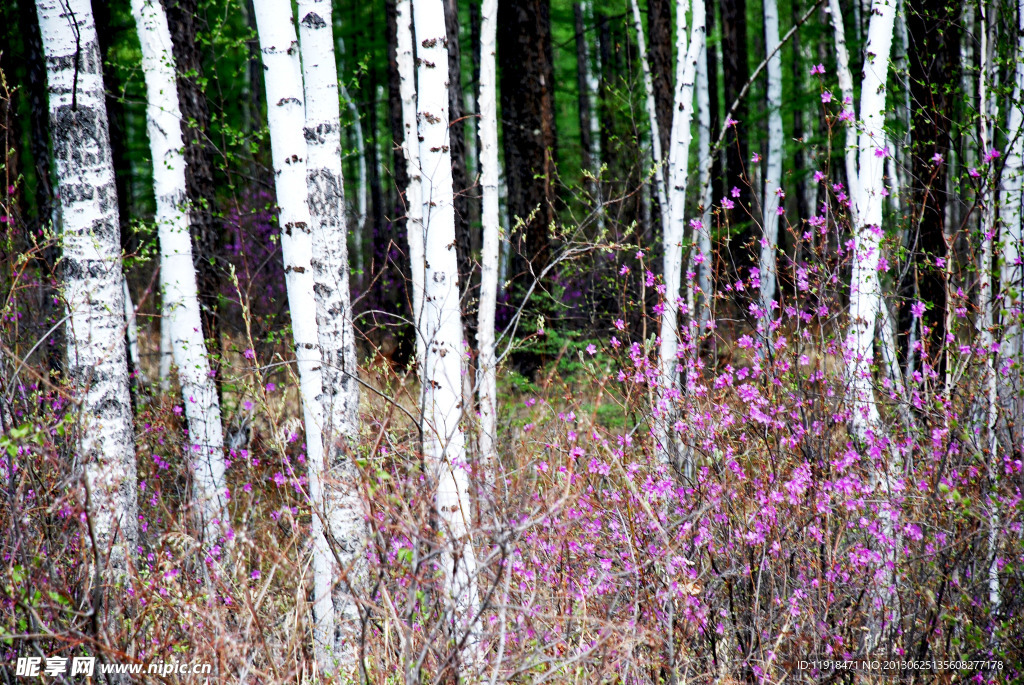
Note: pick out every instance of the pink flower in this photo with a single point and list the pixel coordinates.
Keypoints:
(624, 270)
(973, 173)
(731, 122)
(937, 159)
(727, 203)
(620, 324)
(818, 176)
(882, 151)
(826, 96)
(249, 354)
(755, 158)
(991, 155)
(591, 349)
(820, 69)
(735, 192)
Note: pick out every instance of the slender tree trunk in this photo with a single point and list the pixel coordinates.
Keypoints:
(772, 201)
(488, 126)
(200, 186)
(736, 72)
(1011, 243)
(132, 338)
(286, 118)
(582, 85)
(845, 79)
(441, 373)
(865, 296)
(97, 365)
(987, 320)
(656, 125)
(528, 125)
(406, 60)
(933, 54)
(705, 258)
(362, 188)
(177, 274)
(339, 372)
(687, 53)
(457, 143)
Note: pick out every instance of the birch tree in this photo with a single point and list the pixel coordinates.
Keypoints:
(411, 148)
(1011, 240)
(441, 328)
(674, 228)
(652, 110)
(286, 119)
(773, 166)
(865, 296)
(339, 371)
(177, 273)
(488, 127)
(97, 367)
(704, 259)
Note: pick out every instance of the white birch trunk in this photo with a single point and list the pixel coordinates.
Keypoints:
(92, 277)
(674, 228)
(488, 127)
(705, 270)
(441, 373)
(132, 332)
(987, 320)
(652, 111)
(166, 355)
(865, 296)
(406, 59)
(339, 372)
(1011, 241)
(177, 273)
(282, 78)
(846, 91)
(773, 167)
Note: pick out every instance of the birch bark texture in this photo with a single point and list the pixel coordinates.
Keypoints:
(336, 334)
(674, 229)
(177, 273)
(411, 148)
(92, 277)
(865, 296)
(282, 79)
(773, 192)
(441, 373)
(488, 127)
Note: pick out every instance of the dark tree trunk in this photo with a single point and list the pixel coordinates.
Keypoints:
(933, 56)
(35, 93)
(39, 122)
(713, 106)
(204, 223)
(737, 72)
(582, 69)
(457, 142)
(800, 158)
(659, 29)
(528, 127)
(400, 175)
